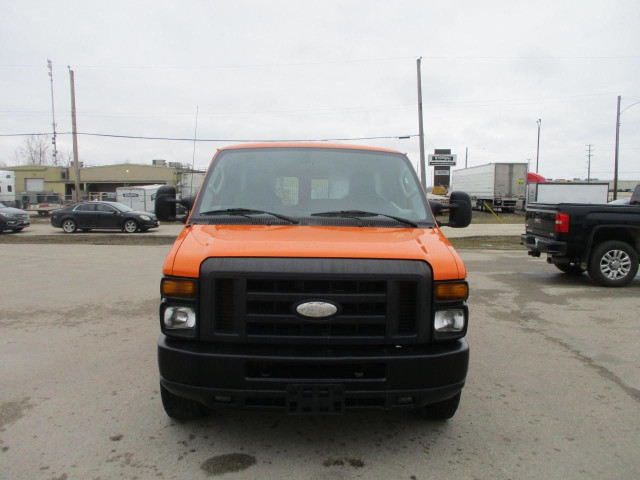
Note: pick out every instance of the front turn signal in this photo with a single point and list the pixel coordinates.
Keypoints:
(452, 291)
(178, 288)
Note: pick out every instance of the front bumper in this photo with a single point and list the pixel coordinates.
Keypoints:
(10, 223)
(148, 223)
(325, 379)
(537, 244)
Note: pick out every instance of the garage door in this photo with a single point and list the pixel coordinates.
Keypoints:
(34, 184)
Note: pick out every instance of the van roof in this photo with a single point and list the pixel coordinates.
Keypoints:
(308, 145)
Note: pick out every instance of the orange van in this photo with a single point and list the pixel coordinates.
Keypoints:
(312, 279)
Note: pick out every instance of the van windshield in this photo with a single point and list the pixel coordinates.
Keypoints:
(308, 183)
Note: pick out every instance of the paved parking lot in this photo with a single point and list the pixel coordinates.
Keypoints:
(553, 389)
(42, 228)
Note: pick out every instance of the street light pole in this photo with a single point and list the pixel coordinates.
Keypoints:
(615, 168)
(539, 122)
(423, 174)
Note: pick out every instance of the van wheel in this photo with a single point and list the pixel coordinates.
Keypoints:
(613, 264)
(180, 408)
(441, 410)
(570, 268)
(69, 226)
(130, 226)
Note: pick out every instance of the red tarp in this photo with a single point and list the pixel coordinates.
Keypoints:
(535, 178)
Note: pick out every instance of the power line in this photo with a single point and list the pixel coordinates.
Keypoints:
(347, 61)
(239, 140)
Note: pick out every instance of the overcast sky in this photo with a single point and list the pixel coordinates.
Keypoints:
(324, 70)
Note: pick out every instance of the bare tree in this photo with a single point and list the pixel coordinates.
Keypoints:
(34, 150)
(65, 156)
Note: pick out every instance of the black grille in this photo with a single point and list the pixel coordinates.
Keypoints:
(224, 305)
(407, 307)
(271, 307)
(255, 300)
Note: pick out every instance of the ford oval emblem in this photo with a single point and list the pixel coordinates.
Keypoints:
(316, 309)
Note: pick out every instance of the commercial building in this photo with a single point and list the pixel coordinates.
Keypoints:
(100, 182)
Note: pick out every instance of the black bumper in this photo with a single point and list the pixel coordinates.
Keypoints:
(148, 223)
(11, 223)
(312, 380)
(537, 244)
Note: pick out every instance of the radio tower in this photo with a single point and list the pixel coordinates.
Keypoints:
(54, 155)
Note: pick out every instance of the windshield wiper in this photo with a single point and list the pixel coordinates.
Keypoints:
(247, 212)
(361, 213)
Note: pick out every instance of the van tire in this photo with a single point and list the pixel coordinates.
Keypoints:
(613, 264)
(442, 410)
(180, 408)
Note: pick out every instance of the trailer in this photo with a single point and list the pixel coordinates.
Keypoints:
(7, 188)
(141, 198)
(42, 202)
(501, 186)
(571, 192)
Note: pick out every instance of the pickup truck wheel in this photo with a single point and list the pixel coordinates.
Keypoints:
(69, 226)
(570, 268)
(441, 410)
(613, 264)
(180, 408)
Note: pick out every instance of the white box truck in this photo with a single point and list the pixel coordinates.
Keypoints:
(561, 192)
(501, 186)
(141, 197)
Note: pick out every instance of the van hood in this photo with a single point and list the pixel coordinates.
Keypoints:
(198, 242)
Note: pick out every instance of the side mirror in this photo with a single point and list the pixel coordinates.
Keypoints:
(635, 196)
(459, 210)
(166, 202)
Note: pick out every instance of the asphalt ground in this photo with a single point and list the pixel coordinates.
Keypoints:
(553, 389)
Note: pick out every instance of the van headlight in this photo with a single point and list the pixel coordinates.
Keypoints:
(179, 317)
(447, 321)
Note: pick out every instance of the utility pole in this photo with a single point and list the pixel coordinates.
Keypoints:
(193, 159)
(423, 176)
(466, 157)
(54, 155)
(74, 131)
(589, 155)
(615, 168)
(539, 122)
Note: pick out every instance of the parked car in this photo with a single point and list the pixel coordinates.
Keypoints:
(102, 215)
(621, 201)
(13, 219)
(312, 279)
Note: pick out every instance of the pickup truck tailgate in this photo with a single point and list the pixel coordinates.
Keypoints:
(541, 220)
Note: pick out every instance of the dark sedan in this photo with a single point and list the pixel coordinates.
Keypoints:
(13, 219)
(102, 215)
